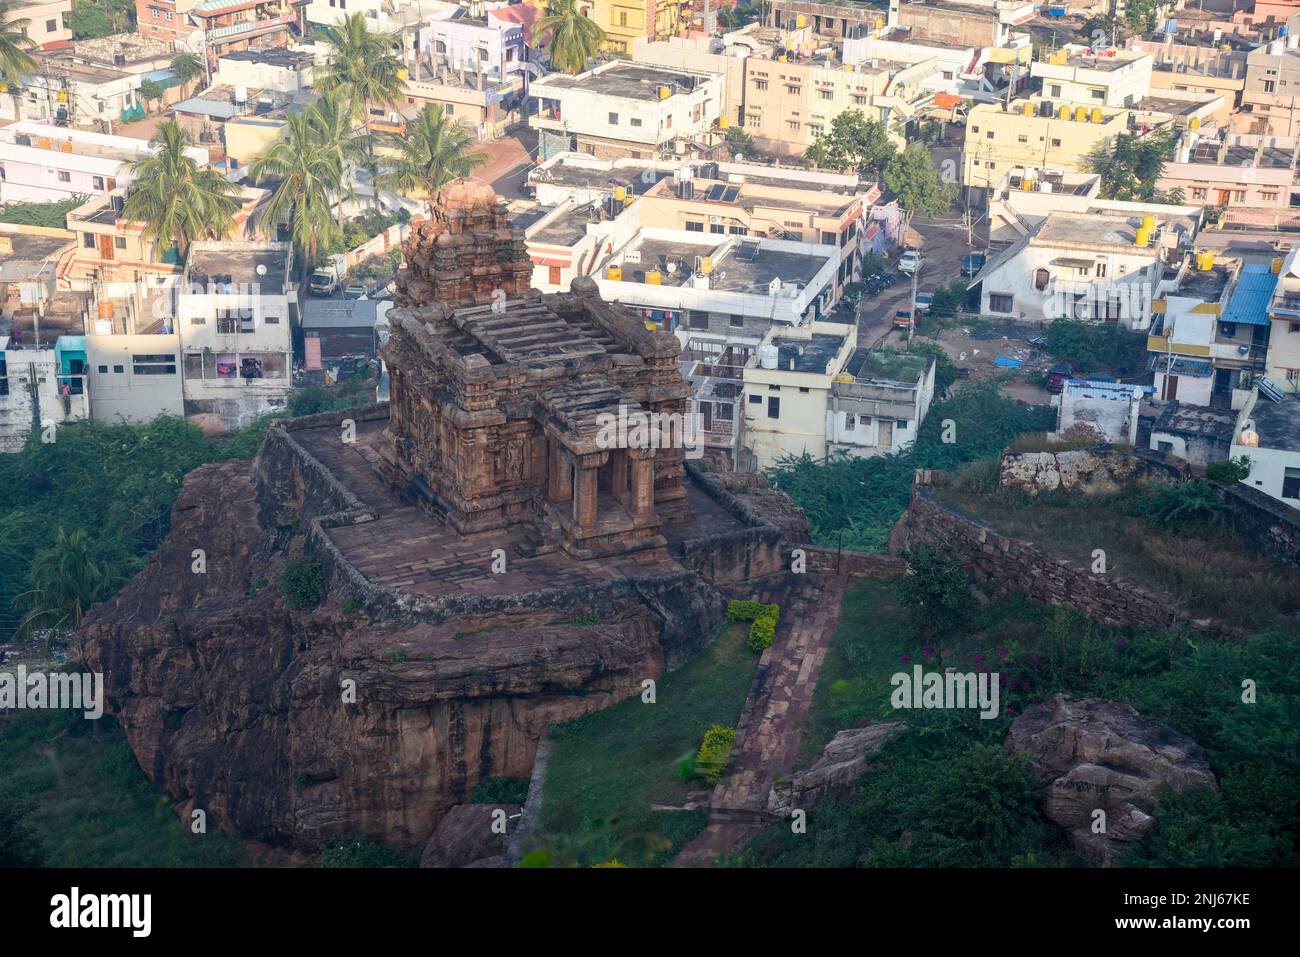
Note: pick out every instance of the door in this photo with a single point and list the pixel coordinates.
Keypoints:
(1171, 388)
(105, 247)
(885, 433)
(1224, 194)
(706, 412)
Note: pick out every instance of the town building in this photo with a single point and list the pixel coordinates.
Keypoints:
(40, 389)
(66, 91)
(489, 106)
(624, 109)
(134, 378)
(1268, 98)
(29, 262)
(1268, 434)
(1094, 76)
(1106, 267)
(471, 40)
(1109, 410)
(226, 25)
(625, 21)
(234, 310)
(1282, 367)
(335, 329)
(1248, 177)
(1198, 64)
(49, 24)
(274, 70)
(1193, 433)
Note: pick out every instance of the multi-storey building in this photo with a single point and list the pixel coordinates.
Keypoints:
(48, 22)
(1249, 177)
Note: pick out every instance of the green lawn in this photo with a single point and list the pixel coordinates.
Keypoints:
(85, 802)
(608, 768)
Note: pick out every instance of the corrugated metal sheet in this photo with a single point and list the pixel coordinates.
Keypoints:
(1249, 302)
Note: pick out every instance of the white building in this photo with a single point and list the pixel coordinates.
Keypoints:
(1268, 433)
(233, 314)
(35, 396)
(43, 164)
(1104, 267)
(269, 69)
(623, 109)
(1109, 409)
(1103, 77)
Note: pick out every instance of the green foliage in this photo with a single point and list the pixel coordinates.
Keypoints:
(748, 610)
(715, 751)
(1172, 506)
(302, 582)
(15, 47)
(365, 227)
(945, 370)
(911, 176)
(950, 299)
(1229, 471)
(854, 143)
(1130, 164)
(762, 632)
(100, 18)
(17, 844)
(739, 141)
(151, 91)
(937, 590)
(435, 149)
(511, 791)
(862, 498)
(356, 852)
(348, 606)
(66, 582)
(1096, 346)
(572, 37)
(114, 483)
(49, 215)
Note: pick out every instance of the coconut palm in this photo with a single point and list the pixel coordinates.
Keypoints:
(363, 64)
(308, 174)
(15, 62)
(66, 582)
(174, 197)
(573, 37)
(187, 67)
(434, 151)
(332, 123)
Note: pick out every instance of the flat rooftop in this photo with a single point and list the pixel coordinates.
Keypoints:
(1208, 285)
(1219, 154)
(627, 81)
(1167, 104)
(567, 174)
(1278, 423)
(567, 227)
(272, 56)
(733, 271)
(1105, 64)
(1098, 228)
(886, 366)
(131, 45)
(61, 62)
(806, 355)
(29, 253)
(241, 266)
(1196, 420)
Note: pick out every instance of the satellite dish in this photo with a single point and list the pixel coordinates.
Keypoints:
(672, 268)
(194, 42)
(261, 269)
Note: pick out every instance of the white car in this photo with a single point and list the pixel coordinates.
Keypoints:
(910, 261)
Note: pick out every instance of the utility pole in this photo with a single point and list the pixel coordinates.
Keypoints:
(911, 316)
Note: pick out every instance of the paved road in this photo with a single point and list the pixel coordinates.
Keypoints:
(509, 160)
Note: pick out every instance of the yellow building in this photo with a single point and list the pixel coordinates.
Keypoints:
(625, 20)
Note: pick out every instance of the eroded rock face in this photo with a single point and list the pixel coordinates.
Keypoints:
(1093, 754)
(1089, 471)
(234, 703)
(470, 835)
(842, 762)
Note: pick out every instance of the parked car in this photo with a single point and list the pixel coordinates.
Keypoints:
(902, 318)
(355, 290)
(910, 262)
(1056, 377)
(972, 263)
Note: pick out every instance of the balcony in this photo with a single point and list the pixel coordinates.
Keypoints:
(234, 30)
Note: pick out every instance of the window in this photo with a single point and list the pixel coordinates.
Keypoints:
(103, 370)
(1056, 90)
(694, 227)
(153, 365)
(622, 18)
(1268, 195)
(974, 129)
(634, 121)
(774, 388)
(697, 319)
(1291, 484)
(828, 239)
(1229, 329)
(1000, 302)
(1101, 270)
(1238, 195)
(1041, 279)
(760, 84)
(803, 388)
(1098, 94)
(97, 182)
(774, 408)
(1056, 144)
(794, 125)
(65, 176)
(51, 26)
(826, 94)
(736, 321)
(1268, 86)
(850, 420)
(88, 240)
(738, 230)
(716, 227)
(755, 400)
(988, 135)
(1198, 192)
(1022, 138)
(119, 369)
(859, 99)
(1295, 327)
(271, 320)
(613, 119)
(448, 109)
(793, 89)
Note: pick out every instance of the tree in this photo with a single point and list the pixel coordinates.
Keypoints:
(572, 36)
(308, 176)
(151, 91)
(331, 122)
(853, 143)
(434, 151)
(937, 588)
(363, 65)
(175, 197)
(65, 582)
(187, 67)
(90, 19)
(911, 177)
(738, 141)
(15, 61)
(1130, 164)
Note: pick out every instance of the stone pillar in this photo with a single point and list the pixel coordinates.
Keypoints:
(560, 467)
(643, 483)
(618, 471)
(584, 490)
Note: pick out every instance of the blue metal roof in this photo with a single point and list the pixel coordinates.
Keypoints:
(1249, 302)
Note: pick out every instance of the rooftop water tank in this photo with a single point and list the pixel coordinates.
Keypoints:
(768, 355)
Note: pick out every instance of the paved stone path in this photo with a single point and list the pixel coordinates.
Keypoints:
(772, 725)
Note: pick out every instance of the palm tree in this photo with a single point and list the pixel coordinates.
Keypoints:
(15, 62)
(187, 67)
(175, 197)
(434, 151)
(573, 37)
(66, 582)
(363, 65)
(332, 123)
(308, 173)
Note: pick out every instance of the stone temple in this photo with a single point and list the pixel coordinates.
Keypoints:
(502, 399)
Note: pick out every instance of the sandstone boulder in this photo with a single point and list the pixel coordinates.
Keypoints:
(841, 764)
(1089, 471)
(1093, 754)
(466, 837)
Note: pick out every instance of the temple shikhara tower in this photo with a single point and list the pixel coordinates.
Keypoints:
(499, 393)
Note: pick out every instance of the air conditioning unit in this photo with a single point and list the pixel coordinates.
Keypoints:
(714, 220)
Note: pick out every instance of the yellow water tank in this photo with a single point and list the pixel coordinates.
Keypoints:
(665, 92)
(4, 87)
(1027, 109)
(1143, 236)
(706, 265)
(1063, 113)
(782, 58)
(1205, 260)
(844, 377)
(880, 23)
(43, 144)
(63, 96)
(1195, 123)
(6, 245)
(402, 73)
(65, 146)
(620, 193)
(652, 326)
(654, 278)
(1060, 57)
(105, 309)
(1097, 116)
(1149, 223)
(614, 272)
(724, 122)
(1276, 266)
(1080, 114)
(800, 22)
(1027, 185)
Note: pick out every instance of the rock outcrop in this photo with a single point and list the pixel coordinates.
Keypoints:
(1089, 471)
(471, 835)
(842, 762)
(1095, 755)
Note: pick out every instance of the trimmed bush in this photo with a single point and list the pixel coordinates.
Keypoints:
(715, 752)
(762, 632)
(744, 610)
(302, 583)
